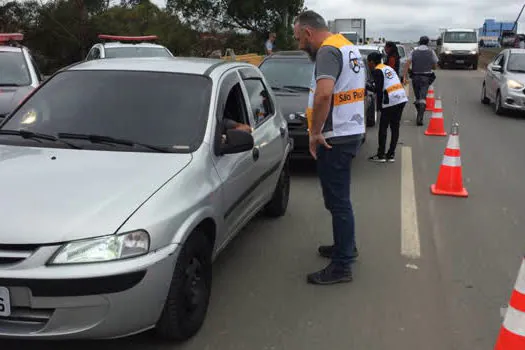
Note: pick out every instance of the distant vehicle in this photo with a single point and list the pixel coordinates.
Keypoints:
(349, 25)
(290, 73)
(458, 47)
(135, 184)
(126, 47)
(504, 83)
(19, 74)
(353, 37)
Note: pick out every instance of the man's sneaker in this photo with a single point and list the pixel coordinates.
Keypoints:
(332, 274)
(391, 159)
(377, 159)
(326, 252)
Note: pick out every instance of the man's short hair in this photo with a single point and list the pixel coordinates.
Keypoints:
(311, 19)
(375, 57)
(424, 40)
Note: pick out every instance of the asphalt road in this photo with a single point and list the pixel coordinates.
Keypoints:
(433, 272)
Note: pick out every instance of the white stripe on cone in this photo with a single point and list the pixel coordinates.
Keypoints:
(451, 161)
(515, 321)
(453, 142)
(520, 282)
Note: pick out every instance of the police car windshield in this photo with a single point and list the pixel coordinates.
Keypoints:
(160, 109)
(13, 69)
(136, 51)
(364, 53)
(460, 37)
(288, 72)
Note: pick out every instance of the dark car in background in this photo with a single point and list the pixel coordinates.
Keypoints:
(290, 74)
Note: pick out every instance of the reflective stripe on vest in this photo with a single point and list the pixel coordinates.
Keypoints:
(392, 85)
(347, 115)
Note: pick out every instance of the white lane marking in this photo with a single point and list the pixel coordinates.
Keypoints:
(410, 246)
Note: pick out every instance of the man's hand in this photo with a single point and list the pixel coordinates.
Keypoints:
(243, 127)
(315, 140)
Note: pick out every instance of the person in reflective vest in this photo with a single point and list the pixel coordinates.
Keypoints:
(336, 127)
(391, 100)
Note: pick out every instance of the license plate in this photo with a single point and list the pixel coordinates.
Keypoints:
(5, 302)
(460, 61)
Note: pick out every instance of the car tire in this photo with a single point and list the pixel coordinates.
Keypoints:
(189, 295)
(371, 115)
(484, 99)
(279, 202)
(498, 107)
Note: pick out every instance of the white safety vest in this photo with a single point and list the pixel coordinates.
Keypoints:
(392, 85)
(347, 112)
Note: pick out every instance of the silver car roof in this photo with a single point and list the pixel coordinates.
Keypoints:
(191, 65)
(119, 44)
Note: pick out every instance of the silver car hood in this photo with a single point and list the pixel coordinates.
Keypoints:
(520, 77)
(56, 195)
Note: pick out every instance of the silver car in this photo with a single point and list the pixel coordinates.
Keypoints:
(504, 82)
(121, 183)
(19, 74)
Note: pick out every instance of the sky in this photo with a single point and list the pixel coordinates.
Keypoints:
(409, 19)
(405, 20)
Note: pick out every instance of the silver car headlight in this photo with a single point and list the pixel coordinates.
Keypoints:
(448, 52)
(102, 249)
(473, 52)
(513, 84)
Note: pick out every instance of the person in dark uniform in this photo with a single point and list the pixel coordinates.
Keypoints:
(422, 60)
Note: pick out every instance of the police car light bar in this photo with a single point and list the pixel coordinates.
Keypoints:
(127, 38)
(5, 37)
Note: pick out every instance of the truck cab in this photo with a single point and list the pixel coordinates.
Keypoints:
(458, 47)
(353, 37)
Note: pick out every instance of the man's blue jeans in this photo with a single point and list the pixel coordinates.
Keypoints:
(333, 167)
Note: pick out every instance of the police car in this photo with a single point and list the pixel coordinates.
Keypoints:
(127, 47)
(19, 74)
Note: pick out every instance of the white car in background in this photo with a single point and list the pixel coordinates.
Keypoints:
(127, 47)
(19, 74)
(504, 83)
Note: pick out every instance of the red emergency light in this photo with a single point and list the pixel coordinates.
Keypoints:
(127, 38)
(5, 37)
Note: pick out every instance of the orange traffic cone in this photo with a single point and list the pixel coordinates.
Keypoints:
(430, 98)
(436, 126)
(450, 177)
(512, 332)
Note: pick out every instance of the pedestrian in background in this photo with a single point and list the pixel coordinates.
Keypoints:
(269, 46)
(335, 116)
(391, 100)
(422, 61)
(392, 56)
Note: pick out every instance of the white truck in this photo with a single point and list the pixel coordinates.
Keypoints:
(458, 46)
(354, 29)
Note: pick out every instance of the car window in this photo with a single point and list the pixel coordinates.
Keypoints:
(260, 101)
(37, 71)
(497, 60)
(288, 72)
(93, 54)
(157, 108)
(516, 63)
(232, 104)
(13, 69)
(138, 51)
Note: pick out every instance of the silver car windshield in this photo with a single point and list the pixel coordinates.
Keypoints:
(160, 109)
(123, 52)
(516, 63)
(288, 72)
(13, 69)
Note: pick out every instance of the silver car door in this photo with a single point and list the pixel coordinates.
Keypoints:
(269, 133)
(491, 83)
(236, 171)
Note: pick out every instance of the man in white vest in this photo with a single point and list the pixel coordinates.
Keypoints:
(336, 126)
(391, 100)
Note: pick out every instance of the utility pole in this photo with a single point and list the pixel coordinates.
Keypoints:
(515, 26)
